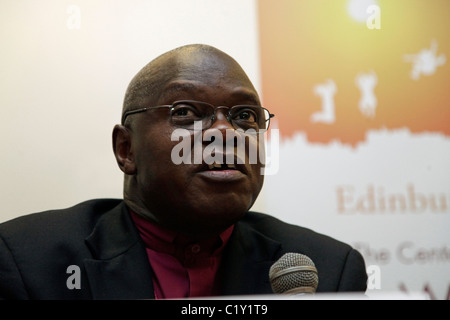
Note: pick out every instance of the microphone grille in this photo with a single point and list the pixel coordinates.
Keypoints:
(293, 271)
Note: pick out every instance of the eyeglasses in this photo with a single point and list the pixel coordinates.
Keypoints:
(185, 113)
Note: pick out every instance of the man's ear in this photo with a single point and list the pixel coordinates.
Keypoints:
(122, 149)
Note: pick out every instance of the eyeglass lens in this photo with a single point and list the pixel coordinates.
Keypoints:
(186, 113)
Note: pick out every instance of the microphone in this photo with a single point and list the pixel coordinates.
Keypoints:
(294, 273)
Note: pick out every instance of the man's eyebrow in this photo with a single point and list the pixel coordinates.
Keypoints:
(246, 95)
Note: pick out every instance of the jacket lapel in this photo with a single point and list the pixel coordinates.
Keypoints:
(247, 260)
(120, 268)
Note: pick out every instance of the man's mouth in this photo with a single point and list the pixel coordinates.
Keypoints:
(223, 162)
(224, 166)
(224, 172)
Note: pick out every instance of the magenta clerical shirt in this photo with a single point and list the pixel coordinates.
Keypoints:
(182, 267)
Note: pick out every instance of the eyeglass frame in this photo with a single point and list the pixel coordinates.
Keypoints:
(228, 115)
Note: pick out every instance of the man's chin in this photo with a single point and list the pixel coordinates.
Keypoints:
(207, 222)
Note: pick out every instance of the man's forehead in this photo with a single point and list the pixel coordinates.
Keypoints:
(178, 88)
(189, 70)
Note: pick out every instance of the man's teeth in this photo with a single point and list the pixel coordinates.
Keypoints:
(215, 165)
(220, 166)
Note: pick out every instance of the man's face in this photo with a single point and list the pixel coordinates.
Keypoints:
(192, 198)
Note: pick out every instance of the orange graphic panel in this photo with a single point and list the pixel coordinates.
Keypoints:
(337, 68)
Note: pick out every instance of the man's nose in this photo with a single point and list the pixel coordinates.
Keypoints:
(221, 125)
(220, 120)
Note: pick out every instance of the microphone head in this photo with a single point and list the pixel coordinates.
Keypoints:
(293, 273)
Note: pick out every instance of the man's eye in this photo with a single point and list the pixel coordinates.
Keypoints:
(184, 111)
(246, 115)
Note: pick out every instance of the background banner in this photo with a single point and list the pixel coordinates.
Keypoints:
(361, 93)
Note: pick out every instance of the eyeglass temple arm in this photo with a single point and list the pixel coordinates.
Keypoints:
(126, 114)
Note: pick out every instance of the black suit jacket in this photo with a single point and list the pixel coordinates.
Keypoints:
(100, 238)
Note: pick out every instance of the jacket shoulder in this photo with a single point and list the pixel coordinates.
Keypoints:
(61, 221)
(290, 235)
(47, 232)
(340, 267)
(36, 249)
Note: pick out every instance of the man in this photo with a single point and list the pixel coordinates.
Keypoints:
(182, 229)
